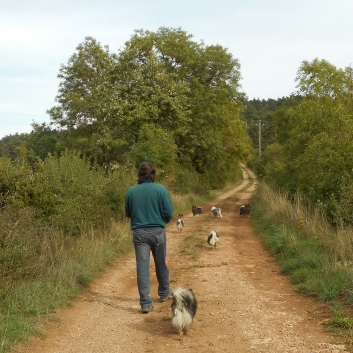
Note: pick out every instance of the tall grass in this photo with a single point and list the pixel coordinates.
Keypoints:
(183, 202)
(61, 223)
(317, 257)
(62, 266)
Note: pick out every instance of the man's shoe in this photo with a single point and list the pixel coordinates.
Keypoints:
(165, 298)
(147, 309)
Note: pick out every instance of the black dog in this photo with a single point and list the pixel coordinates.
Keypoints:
(244, 210)
(196, 210)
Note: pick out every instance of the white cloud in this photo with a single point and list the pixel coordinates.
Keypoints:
(270, 38)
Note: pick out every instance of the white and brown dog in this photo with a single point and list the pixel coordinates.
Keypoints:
(184, 307)
(216, 212)
(213, 239)
(180, 222)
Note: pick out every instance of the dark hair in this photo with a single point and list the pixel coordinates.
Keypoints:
(146, 171)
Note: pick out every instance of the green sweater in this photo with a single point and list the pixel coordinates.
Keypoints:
(148, 205)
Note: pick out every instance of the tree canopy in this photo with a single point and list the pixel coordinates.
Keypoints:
(117, 107)
(314, 144)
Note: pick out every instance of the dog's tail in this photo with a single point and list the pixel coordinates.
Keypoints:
(210, 238)
(184, 298)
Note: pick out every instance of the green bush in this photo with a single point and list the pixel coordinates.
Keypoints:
(312, 253)
(20, 244)
(67, 191)
(184, 181)
(16, 182)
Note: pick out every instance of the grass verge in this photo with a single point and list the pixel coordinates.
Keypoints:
(74, 262)
(317, 258)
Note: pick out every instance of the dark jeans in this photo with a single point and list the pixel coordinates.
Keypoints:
(146, 240)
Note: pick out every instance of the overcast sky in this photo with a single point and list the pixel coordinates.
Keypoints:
(270, 38)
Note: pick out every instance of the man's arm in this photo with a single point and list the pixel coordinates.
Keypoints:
(167, 207)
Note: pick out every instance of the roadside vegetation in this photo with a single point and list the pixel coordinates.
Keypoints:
(312, 147)
(315, 255)
(304, 206)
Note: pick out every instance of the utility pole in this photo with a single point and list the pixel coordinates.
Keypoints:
(260, 138)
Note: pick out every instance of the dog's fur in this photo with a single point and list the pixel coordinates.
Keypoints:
(213, 239)
(196, 210)
(180, 222)
(216, 212)
(244, 210)
(184, 307)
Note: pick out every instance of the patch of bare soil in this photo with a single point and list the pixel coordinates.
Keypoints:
(245, 304)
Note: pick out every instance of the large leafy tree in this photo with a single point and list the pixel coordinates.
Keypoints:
(154, 144)
(324, 127)
(316, 134)
(84, 102)
(82, 97)
(147, 93)
(163, 80)
(213, 98)
(104, 100)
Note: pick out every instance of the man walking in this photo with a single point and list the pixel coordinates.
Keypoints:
(150, 208)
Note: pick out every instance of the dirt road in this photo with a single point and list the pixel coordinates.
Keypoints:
(245, 305)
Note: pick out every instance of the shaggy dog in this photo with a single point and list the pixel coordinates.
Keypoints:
(184, 308)
(196, 210)
(180, 222)
(244, 210)
(213, 239)
(216, 212)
